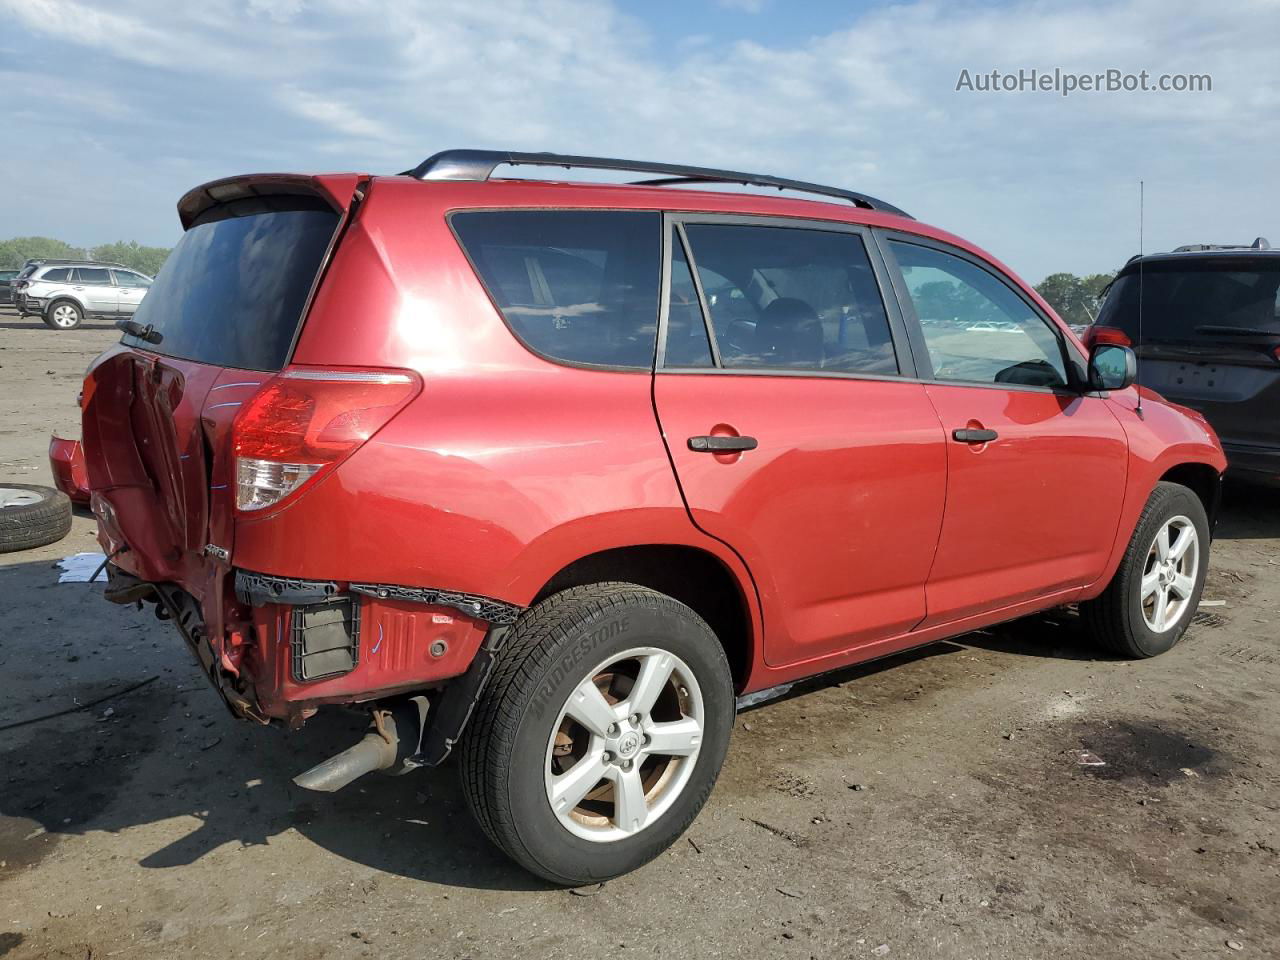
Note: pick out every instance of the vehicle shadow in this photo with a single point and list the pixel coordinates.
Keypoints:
(1056, 634)
(168, 754)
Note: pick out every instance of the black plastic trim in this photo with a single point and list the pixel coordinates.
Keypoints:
(448, 718)
(497, 612)
(257, 589)
(297, 640)
(722, 444)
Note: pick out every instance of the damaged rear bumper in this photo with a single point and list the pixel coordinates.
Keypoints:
(287, 646)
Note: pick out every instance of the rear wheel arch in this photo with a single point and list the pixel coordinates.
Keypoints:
(64, 301)
(695, 577)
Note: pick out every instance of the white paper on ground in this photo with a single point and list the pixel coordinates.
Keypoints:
(79, 567)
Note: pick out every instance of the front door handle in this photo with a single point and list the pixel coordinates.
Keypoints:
(974, 436)
(722, 444)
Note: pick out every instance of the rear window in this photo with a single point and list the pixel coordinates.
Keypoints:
(232, 291)
(57, 275)
(93, 275)
(575, 286)
(1195, 300)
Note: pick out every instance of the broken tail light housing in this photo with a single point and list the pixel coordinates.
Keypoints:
(305, 421)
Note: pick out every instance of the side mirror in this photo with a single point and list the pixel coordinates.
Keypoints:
(1112, 367)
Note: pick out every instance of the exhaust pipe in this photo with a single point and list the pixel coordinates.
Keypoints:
(390, 745)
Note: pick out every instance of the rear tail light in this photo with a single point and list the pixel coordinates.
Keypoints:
(1114, 335)
(306, 420)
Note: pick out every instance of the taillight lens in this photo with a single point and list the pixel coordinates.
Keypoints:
(307, 419)
(1106, 334)
(1096, 335)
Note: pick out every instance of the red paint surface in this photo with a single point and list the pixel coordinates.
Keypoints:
(857, 528)
(66, 462)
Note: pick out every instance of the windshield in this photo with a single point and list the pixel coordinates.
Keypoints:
(233, 290)
(1197, 299)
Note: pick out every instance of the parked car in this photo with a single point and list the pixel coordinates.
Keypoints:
(479, 455)
(1210, 340)
(6, 285)
(64, 292)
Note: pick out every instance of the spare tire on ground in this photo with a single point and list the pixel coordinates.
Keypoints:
(32, 516)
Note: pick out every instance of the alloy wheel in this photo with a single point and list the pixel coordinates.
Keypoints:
(1169, 575)
(64, 315)
(625, 745)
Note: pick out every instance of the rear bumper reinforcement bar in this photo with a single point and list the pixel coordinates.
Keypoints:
(257, 589)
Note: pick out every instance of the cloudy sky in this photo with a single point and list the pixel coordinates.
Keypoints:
(112, 110)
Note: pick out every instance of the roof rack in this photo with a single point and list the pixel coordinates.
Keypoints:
(480, 164)
(1259, 244)
(64, 261)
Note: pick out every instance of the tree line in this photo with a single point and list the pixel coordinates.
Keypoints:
(1076, 299)
(15, 252)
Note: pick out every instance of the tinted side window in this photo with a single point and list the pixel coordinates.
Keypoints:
(976, 328)
(93, 275)
(792, 299)
(578, 286)
(57, 275)
(127, 278)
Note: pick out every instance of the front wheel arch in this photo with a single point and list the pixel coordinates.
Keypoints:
(1204, 481)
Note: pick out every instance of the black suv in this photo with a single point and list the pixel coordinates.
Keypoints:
(1210, 340)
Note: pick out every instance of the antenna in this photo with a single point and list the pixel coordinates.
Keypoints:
(1142, 196)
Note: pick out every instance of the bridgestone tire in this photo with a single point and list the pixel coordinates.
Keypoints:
(1115, 619)
(27, 525)
(551, 650)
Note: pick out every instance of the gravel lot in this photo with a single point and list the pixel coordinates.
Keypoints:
(933, 805)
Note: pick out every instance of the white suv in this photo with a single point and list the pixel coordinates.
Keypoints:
(66, 292)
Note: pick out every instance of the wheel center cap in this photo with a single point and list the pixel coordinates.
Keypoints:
(629, 744)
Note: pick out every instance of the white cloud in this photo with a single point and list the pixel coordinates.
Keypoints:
(1044, 182)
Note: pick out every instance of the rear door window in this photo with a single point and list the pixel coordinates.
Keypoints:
(233, 290)
(93, 275)
(789, 299)
(575, 286)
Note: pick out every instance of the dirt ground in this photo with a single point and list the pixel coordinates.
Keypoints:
(933, 805)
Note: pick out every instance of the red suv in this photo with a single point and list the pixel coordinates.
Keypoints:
(560, 472)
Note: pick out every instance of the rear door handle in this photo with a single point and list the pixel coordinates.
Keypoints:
(722, 444)
(974, 436)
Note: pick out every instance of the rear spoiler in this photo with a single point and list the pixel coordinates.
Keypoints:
(254, 193)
